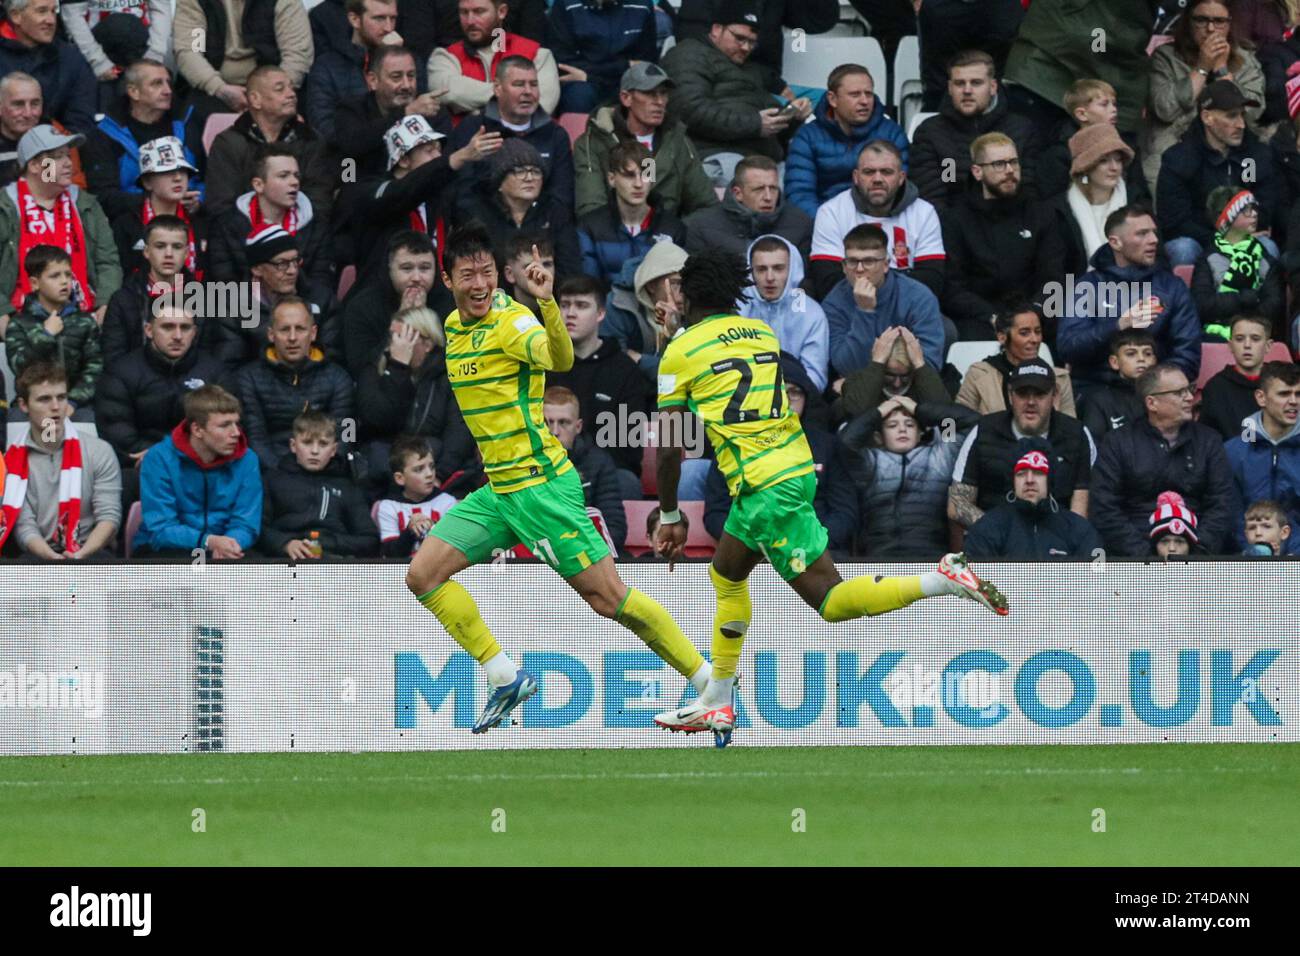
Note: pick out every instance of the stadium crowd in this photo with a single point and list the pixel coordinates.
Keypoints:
(221, 224)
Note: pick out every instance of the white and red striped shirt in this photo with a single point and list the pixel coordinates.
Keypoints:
(395, 514)
(914, 232)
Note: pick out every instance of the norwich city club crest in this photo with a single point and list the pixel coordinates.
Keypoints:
(476, 339)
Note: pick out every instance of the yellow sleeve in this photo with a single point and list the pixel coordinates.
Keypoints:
(673, 381)
(522, 337)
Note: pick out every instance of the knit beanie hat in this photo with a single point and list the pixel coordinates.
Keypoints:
(1092, 143)
(513, 154)
(267, 243)
(1225, 204)
(1172, 516)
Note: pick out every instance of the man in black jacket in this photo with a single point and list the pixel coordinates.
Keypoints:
(161, 268)
(394, 91)
(1163, 451)
(1229, 396)
(1000, 245)
(981, 477)
(272, 117)
(753, 207)
(407, 282)
(1032, 526)
(1115, 403)
(28, 45)
(597, 471)
(974, 106)
(695, 17)
(138, 396)
(292, 375)
(611, 394)
(338, 75)
(1216, 150)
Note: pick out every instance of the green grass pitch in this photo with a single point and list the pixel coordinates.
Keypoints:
(1204, 804)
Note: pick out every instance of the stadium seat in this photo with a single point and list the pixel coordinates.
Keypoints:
(133, 519)
(1185, 273)
(215, 125)
(962, 355)
(905, 85)
(812, 65)
(1216, 356)
(346, 279)
(916, 120)
(575, 124)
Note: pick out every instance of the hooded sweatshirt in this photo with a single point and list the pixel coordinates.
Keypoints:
(795, 317)
(630, 318)
(186, 499)
(1264, 467)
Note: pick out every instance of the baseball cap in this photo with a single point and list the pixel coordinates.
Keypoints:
(1032, 374)
(644, 77)
(42, 139)
(406, 134)
(736, 11)
(162, 155)
(1223, 95)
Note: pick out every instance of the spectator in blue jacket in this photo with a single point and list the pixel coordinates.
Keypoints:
(871, 298)
(28, 45)
(825, 151)
(777, 299)
(1265, 457)
(593, 42)
(1126, 288)
(627, 226)
(201, 488)
(337, 75)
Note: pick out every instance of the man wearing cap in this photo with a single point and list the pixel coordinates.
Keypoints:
(271, 118)
(164, 173)
(1163, 451)
(513, 113)
(411, 194)
(728, 102)
(594, 42)
(44, 207)
(143, 114)
(392, 86)
(983, 473)
(640, 114)
(1031, 526)
(466, 68)
(696, 17)
(275, 199)
(1216, 150)
(1000, 244)
(28, 44)
(517, 204)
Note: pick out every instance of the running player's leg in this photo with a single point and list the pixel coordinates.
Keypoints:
(729, 572)
(836, 599)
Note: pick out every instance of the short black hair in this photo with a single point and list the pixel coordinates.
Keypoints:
(468, 241)
(581, 285)
(404, 447)
(268, 152)
(866, 235)
(408, 240)
(714, 279)
(521, 244)
(1288, 373)
(170, 223)
(1127, 337)
(385, 53)
(1004, 318)
(41, 258)
(1116, 220)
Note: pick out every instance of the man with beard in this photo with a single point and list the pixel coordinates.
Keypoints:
(337, 75)
(467, 68)
(999, 244)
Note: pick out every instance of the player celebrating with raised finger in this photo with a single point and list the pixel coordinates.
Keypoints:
(727, 370)
(497, 358)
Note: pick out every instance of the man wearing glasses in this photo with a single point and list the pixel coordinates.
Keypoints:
(1164, 451)
(727, 101)
(999, 244)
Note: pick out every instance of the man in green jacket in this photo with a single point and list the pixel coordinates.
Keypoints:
(1061, 41)
(43, 207)
(679, 181)
(727, 101)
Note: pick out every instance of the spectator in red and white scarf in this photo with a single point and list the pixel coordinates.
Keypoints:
(275, 199)
(166, 181)
(44, 208)
(62, 490)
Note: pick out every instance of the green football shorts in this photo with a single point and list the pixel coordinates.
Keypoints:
(550, 518)
(780, 522)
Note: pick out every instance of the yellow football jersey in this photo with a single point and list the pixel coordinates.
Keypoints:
(727, 370)
(497, 370)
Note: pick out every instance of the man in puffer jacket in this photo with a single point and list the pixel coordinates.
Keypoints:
(1031, 526)
(777, 299)
(824, 152)
(898, 461)
(290, 377)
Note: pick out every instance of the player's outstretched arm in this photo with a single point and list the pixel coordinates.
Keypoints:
(538, 282)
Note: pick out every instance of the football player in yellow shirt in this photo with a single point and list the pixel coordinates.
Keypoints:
(498, 354)
(726, 369)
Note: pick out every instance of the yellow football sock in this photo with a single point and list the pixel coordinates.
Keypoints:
(646, 618)
(451, 604)
(730, 622)
(870, 596)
